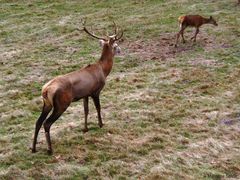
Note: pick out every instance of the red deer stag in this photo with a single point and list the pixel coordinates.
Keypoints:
(87, 82)
(193, 21)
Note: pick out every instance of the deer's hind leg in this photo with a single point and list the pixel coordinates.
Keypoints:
(45, 111)
(181, 32)
(61, 101)
(183, 27)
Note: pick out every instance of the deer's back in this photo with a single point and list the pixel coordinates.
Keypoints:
(87, 81)
(84, 82)
(191, 20)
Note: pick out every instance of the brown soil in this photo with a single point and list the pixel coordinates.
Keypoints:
(162, 47)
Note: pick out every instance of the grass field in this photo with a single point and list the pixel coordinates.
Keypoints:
(169, 113)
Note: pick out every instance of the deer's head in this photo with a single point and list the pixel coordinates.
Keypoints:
(109, 41)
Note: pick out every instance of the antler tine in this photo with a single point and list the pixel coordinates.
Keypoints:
(91, 34)
(83, 21)
(119, 37)
(115, 28)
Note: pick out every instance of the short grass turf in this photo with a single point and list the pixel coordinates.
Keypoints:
(169, 113)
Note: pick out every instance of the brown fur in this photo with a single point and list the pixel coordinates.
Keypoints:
(193, 21)
(59, 92)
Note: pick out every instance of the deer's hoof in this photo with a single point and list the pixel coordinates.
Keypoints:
(34, 151)
(49, 152)
(193, 39)
(101, 125)
(85, 130)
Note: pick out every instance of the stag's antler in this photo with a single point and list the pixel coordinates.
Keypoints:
(116, 32)
(92, 34)
(115, 28)
(117, 37)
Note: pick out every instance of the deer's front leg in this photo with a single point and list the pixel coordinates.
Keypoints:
(98, 107)
(195, 35)
(86, 111)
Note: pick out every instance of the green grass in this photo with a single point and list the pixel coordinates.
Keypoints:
(165, 110)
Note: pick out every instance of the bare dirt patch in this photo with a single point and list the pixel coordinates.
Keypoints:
(162, 47)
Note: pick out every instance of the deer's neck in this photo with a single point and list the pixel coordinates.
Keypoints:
(106, 60)
(206, 20)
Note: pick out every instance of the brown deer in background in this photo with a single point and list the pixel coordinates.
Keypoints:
(87, 82)
(194, 21)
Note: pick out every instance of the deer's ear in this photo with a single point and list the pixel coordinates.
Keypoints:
(211, 17)
(101, 42)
